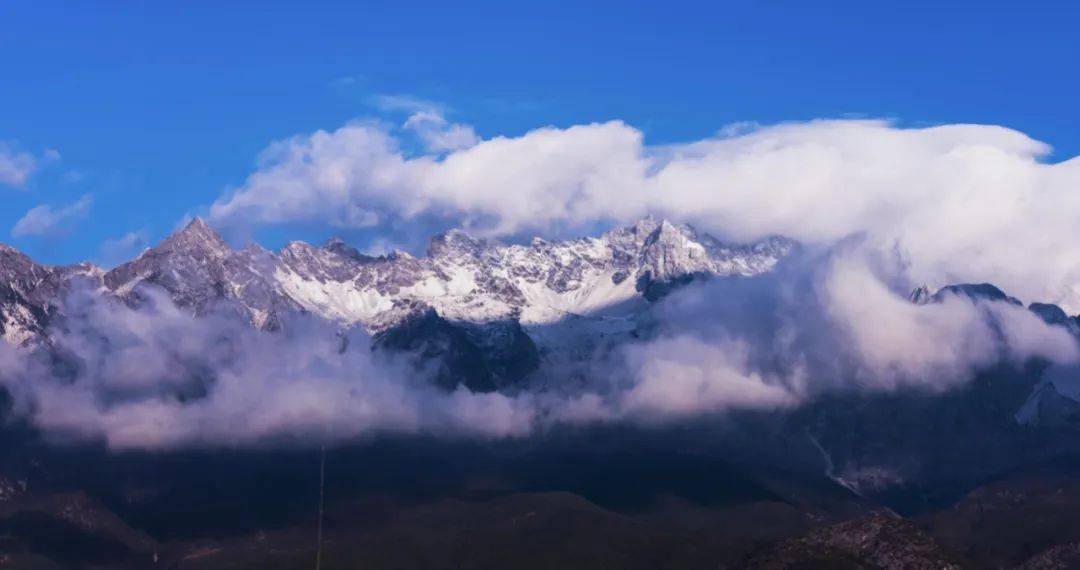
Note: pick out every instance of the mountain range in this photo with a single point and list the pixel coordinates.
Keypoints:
(490, 314)
(493, 309)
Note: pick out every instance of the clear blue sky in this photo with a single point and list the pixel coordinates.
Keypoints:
(156, 107)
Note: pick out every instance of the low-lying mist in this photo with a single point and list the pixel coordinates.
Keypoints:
(827, 320)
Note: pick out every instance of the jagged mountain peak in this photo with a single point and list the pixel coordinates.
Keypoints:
(194, 264)
(455, 242)
(464, 279)
(647, 224)
(652, 229)
(198, 227)
(1050, 313)
(334, 242)
(338, 246)
(197, 224)
(669, 233)
(12, 255)
(397, 254)
(294, 246)
(253, 248)
(921, 295)
(196, 235)
(975, 292)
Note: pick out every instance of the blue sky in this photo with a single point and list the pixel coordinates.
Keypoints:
(155, 109)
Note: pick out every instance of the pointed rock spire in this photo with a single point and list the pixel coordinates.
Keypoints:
(921, 295)
(452, 242)
(338, 246)
(196, 235)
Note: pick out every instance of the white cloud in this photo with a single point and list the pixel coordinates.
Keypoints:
(960, 202)
(405, 103)
(156, 378)
(684, 375)
(44, 220)
(16, 167)
(823, 325)
(896, 342)
(439, 135)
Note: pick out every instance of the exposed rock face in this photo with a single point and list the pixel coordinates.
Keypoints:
(975, 292)
(878, 542)
(30, 293)
(1061, 557)
(487, 310)
(921, 295)
(1047, 407)
(1055, 315)
(1049, 313)
(201, 272)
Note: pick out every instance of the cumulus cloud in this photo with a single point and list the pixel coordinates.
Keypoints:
(47, 221)
(959, 202)
(358, 174)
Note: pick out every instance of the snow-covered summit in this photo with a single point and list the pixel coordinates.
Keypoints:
(462, 278)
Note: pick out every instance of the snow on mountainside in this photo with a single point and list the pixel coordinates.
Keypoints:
(500, 303)
(461, 278)
(465, 279)
(487, 311)
(201, 272)
(29, 293)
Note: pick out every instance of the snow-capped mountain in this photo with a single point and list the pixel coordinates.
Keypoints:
(462, 278)
(201, 272)
(494, 306)
(30, 293)
(472, 280)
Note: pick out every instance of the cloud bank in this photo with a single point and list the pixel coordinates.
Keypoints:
(154, 377)
(959, 202)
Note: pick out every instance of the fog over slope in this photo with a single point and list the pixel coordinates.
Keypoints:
(158, 364)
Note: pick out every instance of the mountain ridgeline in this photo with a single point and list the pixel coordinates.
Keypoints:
(484, 315)
(486, 312)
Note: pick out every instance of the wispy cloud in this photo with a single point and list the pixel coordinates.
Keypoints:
(16, 167)
(123, 248)
(399, 103)
(344, 81)
(439, 135)
(47, 221)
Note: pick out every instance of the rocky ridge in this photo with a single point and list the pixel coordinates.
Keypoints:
(493, 306)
